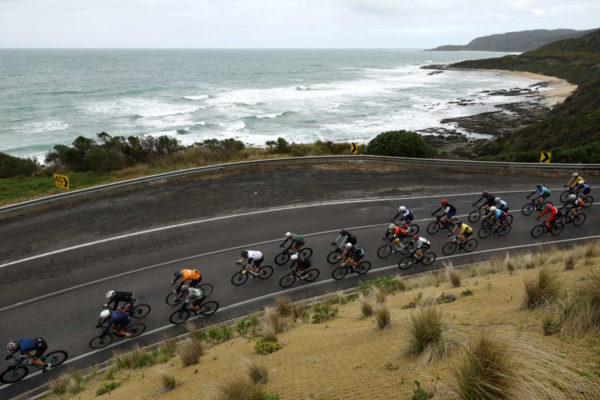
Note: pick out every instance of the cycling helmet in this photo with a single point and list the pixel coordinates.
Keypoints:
(401, 208)
(348, 245)
(11, 346)
(572, 197)
(415, 238)
(497, 200)
(294, 257)
(485, 193)
(581, 182)
(105, 314)
(288, 234)
(548, 206)
(493, 209)
(575, 174)
(444, 202)
(391, 226)
(184, 289)
(539, 185)
(244, 253)
(110, 294)
(178, 274)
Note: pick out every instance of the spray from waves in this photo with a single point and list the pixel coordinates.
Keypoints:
(43, 126)
(137, 107)
(196, 98)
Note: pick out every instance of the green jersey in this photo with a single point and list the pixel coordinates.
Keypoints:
(193, 295)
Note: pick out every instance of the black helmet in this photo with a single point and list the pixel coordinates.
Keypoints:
(539, 185)
(178, 274)
(184, 289)
(485, 193)
(244, 253)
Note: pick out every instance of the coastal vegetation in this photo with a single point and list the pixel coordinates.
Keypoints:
(572, 131)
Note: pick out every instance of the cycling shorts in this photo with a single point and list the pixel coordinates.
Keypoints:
(299, 244)
(257, 263)
(408, 219)
(467, 234)
(198, 302)
(451, 214)
(351, 240)
(424, 247)
(40, 347)
(586, 191)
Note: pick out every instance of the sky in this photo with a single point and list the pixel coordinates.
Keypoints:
(278, 23)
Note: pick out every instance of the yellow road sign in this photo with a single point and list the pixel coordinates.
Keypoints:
(353, 148)
(545, 157)
(62, 181)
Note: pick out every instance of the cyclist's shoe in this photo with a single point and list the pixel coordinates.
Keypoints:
(333, 243)
(46, 367)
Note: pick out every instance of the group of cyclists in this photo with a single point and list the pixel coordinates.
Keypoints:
(115, 316)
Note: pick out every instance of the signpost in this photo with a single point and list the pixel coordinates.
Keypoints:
(545, 157)
(62, 181)
(353, 148)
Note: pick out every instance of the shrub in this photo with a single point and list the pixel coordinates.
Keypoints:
(466, 293)
(190, 352)
(541, 291)
(266, 346)
(382, 316)
(242, 389)
(167, 381)
(14, 166)
(284, 306)
(379, 295)
(366, 307)
(126, 360)
(426, 338)
(282, 146)
(257, 372)
(242, 327)
(215, 334)
(419, 393)
(272, 318)
(401, 144)
(226, 332)
(107, 388)
(169, 343)
(453, 277)
(323, 312)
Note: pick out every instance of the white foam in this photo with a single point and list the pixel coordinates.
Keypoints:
(197, 98)
(269, 116)
(138, 107)
(43, 126)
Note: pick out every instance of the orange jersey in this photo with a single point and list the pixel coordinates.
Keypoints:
(190, 275)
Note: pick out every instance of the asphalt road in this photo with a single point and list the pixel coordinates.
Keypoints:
(55, 290)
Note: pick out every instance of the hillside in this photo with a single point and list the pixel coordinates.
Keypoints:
(511, 308)
(515, 41)
(572, 132)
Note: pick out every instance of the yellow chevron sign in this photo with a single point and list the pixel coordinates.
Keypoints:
(354, 148)
(62, 181)
(545, 157)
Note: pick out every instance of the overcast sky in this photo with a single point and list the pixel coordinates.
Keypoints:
(279, 23)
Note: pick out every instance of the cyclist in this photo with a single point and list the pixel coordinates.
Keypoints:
(297, 241)
(498, 216)
(354, 255)
(488, 200)
(254, 259)
(25, 347)
(449, 211)
(553, 214)
(302, 264)
(406, 217)
(574, 204)
(192, 275)
(118, 320)
(193, 297)
(582, 189)
(115, 298)
(420, 244)
(465, 231)
(544, 194)
(343, 238)
(399, 233)
(575, 179)
(501, 204)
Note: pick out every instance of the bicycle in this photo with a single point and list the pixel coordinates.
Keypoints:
(455, 244)
(393, 246)
(361, 268)
(103, 340)
(182, 315)
(288, 279)
(532, 206)
(139, 311)
(408, 261)
(176, 298)
(12, 375)
(476, 215)
(411, 229)
(435, 226)
(577, 219)
(556, 228)
(489, 227)
(588, 200)
(240, 277)
(286, 253)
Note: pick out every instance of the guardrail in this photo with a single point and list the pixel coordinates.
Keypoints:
(398, 161)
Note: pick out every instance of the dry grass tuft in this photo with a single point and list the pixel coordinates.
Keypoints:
(167, 381)
(580, 312)
(190, 351)
(453, 277)
(542, 291)
(284, 306)
(366, 307)
(382, 316)
(426, 337)
(379, 295)
(169, 343)
(126, 360)
(257, 372)
(239, 389)
(271, 318)
(193, 331)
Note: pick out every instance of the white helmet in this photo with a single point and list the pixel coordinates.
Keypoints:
(288, 234)
(11, 346)
(572, 197)
(401, 208)
(294, 257)
(348, 245)
(497, 200)
(575, 174)
(493, 208)
(105, 314)
(391, 226)
(110, 294)
(581, 182)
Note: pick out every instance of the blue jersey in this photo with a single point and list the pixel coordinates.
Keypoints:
(498, 214)
(502, 205)
(117, 318)
(26, 345)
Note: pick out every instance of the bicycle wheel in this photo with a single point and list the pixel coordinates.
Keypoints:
(14, 375)
(384, 251)
(287, 280)
(404, 249)
(209, 308)
(474, 216)
(537, 231)
(173, 299)
(470, 245)
(557, 228)
(282, 258)
(265, 272)
(339, 273)
(332, 257)
(449, 248)
(509, 219)
(483, 232)
(428, 258)
(179, 316)
(389, 234)
(564, 196)
(433, 228)
(135, 329)
(239, 278)
(527, 209)
(306, 251)
(588, 201)
(362, 267)
(206, 288)
(406, 262)
(311, 275)
(140, 311)
(100, 342)
(56, 357)
(505, 229)
(413, 229)
(579, 219)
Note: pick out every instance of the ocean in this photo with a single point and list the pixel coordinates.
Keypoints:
(50, 97)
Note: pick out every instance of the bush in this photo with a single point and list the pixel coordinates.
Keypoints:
(401, 144)
(190, 352)
(241, 389)
(167, 381)
(426, 338)
(323, 312)
(282, 146)
(379, 295)
(242, 327)
(107, 388)
(542, 291)
(126, 360)
(366, 307)
(14, 166)
(382, 316)
(257, 372)
(273, 319)
(266, 346)
(284, 306)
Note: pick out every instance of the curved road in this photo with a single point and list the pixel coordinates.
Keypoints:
(56, 293)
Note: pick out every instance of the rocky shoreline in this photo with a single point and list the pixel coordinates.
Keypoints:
(451, 141)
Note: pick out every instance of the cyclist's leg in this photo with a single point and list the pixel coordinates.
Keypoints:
(40, 347)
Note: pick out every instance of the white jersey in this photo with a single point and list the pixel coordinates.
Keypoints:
(254, 255)
(421, 242)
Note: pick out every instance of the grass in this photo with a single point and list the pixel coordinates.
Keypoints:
(273, 320)
(241, 389)
(257, 372)
(425, 335)
(580, 311)
(379, 295)
(284, 306)
(126, 360)
(543, 290)
(382, 316)
(167, 381)
(190, 351)
(107, 388)
(453, 277)
(366, 307)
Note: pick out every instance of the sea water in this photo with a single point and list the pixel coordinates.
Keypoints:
(50, 97)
